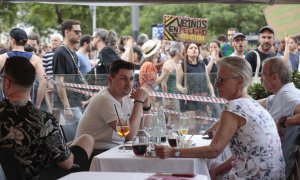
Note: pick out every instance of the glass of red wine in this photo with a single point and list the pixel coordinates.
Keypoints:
(139, 145)
(173, 138)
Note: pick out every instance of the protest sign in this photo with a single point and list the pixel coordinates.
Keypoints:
(182, 28)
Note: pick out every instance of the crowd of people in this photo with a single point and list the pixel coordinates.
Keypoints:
(262, 134)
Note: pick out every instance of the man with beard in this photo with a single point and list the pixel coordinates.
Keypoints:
(65, 66)
(112, 104)
(266, 40)
(238, 42)
(85, 48)
(99, 39)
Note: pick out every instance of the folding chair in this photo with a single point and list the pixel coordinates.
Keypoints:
(69, 131)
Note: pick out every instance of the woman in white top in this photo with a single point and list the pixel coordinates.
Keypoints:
(245, 125)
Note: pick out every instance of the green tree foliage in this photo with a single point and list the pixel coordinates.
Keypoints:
(46, 17)
(247, 18)
(7, 16)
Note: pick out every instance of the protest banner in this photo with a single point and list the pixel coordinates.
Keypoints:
(186, 29)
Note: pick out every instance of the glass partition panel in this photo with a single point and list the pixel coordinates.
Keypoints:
(193, 98)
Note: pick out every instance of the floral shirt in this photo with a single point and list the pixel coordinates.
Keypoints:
(33, 136)
(256, 146)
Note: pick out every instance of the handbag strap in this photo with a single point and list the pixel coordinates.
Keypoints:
(73, 59)
(257, 64)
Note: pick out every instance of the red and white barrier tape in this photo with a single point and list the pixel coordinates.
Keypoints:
(100, 88)
(157, 94)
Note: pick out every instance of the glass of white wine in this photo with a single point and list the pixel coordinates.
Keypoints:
(183, 125)
(123, 129)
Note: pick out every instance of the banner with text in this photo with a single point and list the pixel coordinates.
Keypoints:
(182, 28)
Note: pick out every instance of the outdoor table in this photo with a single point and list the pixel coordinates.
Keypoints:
(115, 161)
(121, 175)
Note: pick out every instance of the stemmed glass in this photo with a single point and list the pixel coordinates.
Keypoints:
(123, 129)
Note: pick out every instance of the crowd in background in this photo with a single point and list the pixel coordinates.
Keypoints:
(159, 65)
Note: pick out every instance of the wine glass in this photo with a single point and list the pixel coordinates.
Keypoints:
(123, 129)
(183, 125)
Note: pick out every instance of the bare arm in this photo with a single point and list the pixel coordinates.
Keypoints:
(223, 135)
(137, 111)
(127, 55)
(286, 49)
(295, 119)
(163, 76)
(179, 77)
(64, 97)
(40, 73)
(209, 85)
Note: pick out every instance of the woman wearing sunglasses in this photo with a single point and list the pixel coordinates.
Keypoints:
(245, 125)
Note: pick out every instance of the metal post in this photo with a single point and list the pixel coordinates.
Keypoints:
(135, 21)
(94, 18)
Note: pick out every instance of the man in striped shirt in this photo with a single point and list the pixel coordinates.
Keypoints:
(56, 40)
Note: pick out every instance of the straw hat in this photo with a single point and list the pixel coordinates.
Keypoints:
(149, 48)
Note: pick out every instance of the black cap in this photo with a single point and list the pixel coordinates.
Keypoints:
(266, 28)
(19, 35)
(235, 35)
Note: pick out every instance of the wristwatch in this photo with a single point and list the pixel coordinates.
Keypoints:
(177, 152)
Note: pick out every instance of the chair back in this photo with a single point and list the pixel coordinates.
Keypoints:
(10, 165)
(2, 175)
(69, 131)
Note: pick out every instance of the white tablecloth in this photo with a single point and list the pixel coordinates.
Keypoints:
(116, 176)
(114, 161)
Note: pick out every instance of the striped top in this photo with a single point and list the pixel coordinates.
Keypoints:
(47, 64)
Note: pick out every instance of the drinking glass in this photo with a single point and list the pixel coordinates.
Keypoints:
(146, 123)
(123, 129)
(183, 125)
(173, 138)
(139, 145)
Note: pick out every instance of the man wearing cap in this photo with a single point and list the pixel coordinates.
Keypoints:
(17, 40)
(238, 42)
(65, 66)
(266, 40)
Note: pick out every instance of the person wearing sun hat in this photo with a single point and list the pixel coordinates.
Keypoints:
(148, 71)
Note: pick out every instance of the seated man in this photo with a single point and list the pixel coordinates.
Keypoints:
(32, 135)
(283, 105)
(100, 117)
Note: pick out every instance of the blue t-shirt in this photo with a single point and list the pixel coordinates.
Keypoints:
(84, 64)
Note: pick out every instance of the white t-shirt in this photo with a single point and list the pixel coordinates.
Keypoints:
(97, 116)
